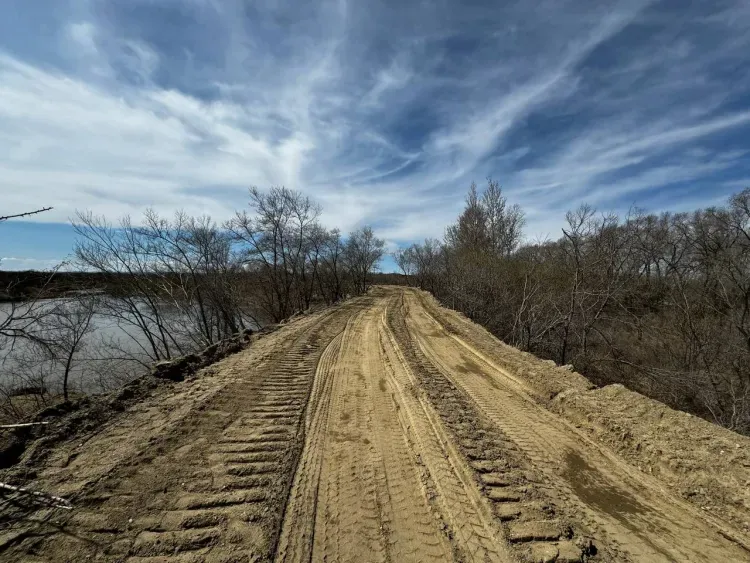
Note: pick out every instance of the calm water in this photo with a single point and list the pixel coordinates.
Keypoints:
(112, 354)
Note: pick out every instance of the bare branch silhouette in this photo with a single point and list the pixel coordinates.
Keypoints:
(26, 214)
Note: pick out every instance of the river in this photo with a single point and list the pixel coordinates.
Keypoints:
(112, 352)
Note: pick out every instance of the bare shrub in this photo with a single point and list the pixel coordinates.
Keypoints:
(659, 303)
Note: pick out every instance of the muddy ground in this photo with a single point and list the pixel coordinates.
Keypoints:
(383, 429)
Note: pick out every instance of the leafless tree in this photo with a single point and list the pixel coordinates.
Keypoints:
(331, 273)
(175, 285)
(660, 303)
(294, 258)
(276, 237)
(18, 319)
(67, 329)
(362, 253)
(469, 233)
(136, 302)
(179, 282)
(503, 224)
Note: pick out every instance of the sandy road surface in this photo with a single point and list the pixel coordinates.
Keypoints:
(367, 432)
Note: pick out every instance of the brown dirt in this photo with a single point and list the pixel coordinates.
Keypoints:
(385, 429)
(25, 447)
(701, 462)
(711, 469)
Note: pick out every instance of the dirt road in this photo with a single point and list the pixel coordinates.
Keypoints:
(373, 431)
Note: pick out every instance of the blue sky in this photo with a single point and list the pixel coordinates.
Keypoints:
(384, 112)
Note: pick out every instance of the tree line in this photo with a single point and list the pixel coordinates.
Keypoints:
(175, 285)
(660, 303)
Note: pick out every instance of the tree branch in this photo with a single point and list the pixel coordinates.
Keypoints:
(17, 215)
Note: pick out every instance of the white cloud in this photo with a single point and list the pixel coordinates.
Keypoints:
(83, 36)
(385, 129)
(576, 171)
(388, 80)
(84, 147)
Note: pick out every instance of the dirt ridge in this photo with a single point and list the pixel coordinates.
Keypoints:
(25, 447)
(702, 462)
(384, 429)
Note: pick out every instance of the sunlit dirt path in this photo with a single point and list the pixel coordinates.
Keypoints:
(370, 431)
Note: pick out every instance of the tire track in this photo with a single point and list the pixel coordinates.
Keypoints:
(413, 527)
(214, 489)
(296, 542)
(359, 481)
(348, 524)
(233, 513)
(475, 537)
(599, 492)
(252, 463)
(529, 521)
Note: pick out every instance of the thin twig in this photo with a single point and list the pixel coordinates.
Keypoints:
(25, 424)
(58, 502)
(17, 215)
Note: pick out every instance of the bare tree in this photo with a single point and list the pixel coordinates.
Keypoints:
(331, 273)
(18, 321)
(276, 239)
(469, 233)
(37, 370)
(406, 261)
(363, 252)
(177, 284)
(174, 285)
(67, 330)
(422, 262)
(660, 303)
(503, 224)
(136, 302)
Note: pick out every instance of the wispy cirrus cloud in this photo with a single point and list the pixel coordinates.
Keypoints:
(382, 112)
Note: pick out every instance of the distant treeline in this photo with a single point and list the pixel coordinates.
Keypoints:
(26, 285)
(660, 303)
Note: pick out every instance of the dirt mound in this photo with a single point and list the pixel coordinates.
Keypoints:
(545, 377)
(704, 463)
(382, 429)
(26, 447)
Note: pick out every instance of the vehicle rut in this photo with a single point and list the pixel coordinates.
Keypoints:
(371, 431)
(626, 511)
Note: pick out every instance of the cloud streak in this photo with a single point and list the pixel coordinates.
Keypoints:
(383, 113)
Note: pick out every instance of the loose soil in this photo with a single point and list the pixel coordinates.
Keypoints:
(384, 429)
